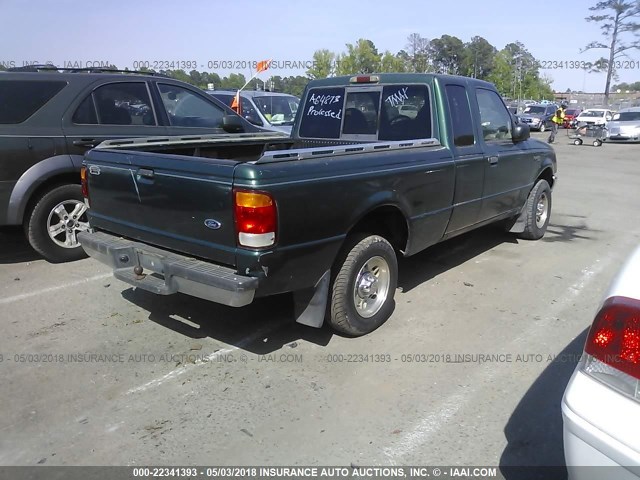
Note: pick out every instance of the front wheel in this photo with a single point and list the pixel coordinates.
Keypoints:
(542, 127)
(538, 210)
(54, 223)
(362, 291)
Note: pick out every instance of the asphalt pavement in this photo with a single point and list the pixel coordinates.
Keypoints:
(469, 370)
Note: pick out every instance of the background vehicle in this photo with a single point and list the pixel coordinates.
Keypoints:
(49, 119)
(601, 404)
(625, 126)
(538, 117)
(595, 116)
(327, 218)
(569, 115)
(271, 110)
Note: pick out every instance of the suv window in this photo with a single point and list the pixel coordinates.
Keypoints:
(119, 103)
(494, 117)
(248, 111)
(186, 109)
(463, 134)
(20, 99)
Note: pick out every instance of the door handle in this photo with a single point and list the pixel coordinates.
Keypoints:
(145, 173)
(85, 142)
(493, 160)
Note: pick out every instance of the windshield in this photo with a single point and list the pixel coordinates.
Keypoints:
(278, 109)
(592, 113)
(534, 110)
(629, 117)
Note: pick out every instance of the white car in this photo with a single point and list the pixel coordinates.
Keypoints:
(601, 405)
(595, 116)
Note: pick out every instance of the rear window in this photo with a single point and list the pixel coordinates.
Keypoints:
(20, 99)
(390, 112)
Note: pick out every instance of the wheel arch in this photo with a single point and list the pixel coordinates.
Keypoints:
(386, 220)
(41, 177)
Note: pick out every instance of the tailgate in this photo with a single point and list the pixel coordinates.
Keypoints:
(176, 202)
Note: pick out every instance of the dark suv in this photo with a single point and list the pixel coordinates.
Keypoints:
(49, 119)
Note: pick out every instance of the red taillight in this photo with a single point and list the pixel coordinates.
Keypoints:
(614, 338)
(256, 218)
(365, 79)
(84, 182)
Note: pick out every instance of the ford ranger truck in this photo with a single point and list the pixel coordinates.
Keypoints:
(325, 214)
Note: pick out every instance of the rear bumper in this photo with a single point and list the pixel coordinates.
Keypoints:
(166, 272)
(597, 425)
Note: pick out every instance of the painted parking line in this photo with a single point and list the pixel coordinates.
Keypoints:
(422, 432)
(42, 291)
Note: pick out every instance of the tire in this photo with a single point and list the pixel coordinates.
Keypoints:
(542, 127)
(48, 217)
(577, 141)
(538, 210)
(597, 143)
(367, 262)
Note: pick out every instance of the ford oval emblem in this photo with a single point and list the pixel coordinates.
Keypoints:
(94, 170)
(212, 224)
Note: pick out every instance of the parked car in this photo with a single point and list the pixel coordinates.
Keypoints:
(270, 110)
(594, 116)
(410, 111)
(601, 404)
(625, 126)
(326, 218)
(49, 119)
(570, 115)
(538, 117)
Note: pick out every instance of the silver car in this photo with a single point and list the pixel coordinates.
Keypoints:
(601, 405)
(270, 110)
(625, 126)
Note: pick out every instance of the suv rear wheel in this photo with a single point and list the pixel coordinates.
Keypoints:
(54, 222)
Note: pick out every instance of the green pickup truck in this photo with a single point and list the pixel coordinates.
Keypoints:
(376, 166)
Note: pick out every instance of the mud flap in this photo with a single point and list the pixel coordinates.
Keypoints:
(521, 221)
(310, 305)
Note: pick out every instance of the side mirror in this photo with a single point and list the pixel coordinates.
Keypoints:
(521, 132)
(232, 124)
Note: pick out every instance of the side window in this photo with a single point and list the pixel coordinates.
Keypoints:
(405, 113)
(494, 117)
(20, 99)
(85, 114)
(463, 134)
(361, 113)
(187, 109)
(122, 104)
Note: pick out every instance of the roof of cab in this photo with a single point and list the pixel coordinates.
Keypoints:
(386, 78)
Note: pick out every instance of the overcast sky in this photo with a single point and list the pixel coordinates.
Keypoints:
(123, 32)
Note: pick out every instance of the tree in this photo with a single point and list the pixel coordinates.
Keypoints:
(361, 57)
(502, 73)
(447, 53)
(616, 19)
(390, 63)
(478, 58)
(417, 53)
(323, 62)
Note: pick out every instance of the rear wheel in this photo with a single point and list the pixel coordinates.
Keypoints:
(54, 223)
(538, 209)
(577, 141)
(362, 291)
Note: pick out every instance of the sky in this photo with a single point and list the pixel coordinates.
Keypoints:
(126, 33)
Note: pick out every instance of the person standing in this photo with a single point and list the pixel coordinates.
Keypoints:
(556, 121)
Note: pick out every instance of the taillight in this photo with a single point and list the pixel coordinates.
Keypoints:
(365, 79)
(84, 182)
(613, 345)
(256, 218)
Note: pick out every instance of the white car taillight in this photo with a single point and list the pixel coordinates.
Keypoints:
(613, 346)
